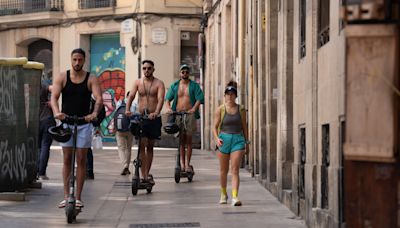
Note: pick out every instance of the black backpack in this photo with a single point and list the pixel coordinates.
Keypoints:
(121, 121)
(100, 116)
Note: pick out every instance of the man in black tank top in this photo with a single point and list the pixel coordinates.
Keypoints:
(76, 87)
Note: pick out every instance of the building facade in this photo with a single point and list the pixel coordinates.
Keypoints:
(288, 59)
(116, 35)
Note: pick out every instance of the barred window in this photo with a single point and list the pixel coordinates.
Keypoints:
(302, 20)
(323, 22)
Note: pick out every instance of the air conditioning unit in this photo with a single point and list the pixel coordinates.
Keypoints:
(207, 6)
(368, 10)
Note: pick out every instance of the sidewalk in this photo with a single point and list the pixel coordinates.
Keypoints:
(109, 202)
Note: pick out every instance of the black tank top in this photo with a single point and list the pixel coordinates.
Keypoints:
(76, 97)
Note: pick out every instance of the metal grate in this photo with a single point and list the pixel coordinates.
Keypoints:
(324, 167)
(302, 20)
(89, 4)
(122, 184)
(238, 212)
(157, 225)
(302, 146)
(12, 7)
(323, 22)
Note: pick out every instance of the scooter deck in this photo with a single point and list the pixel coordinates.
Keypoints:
(186, 174)
(145, 185)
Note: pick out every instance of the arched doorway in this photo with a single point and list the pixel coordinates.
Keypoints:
(42, 51)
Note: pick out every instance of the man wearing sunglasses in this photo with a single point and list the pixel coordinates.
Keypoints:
(187, 96)
(150, 101)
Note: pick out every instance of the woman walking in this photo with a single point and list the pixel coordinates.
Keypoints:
(230, 133)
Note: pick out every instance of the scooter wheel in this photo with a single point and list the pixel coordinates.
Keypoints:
(69, 211)
(177, 176)
(135, 184)
(190, 177)
(149, 189)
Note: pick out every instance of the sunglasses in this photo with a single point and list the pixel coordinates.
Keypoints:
(185, 72)
(147, 68)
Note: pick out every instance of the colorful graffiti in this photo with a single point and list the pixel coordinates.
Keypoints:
(108, 64)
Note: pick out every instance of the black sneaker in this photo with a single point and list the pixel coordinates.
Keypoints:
(125, 171)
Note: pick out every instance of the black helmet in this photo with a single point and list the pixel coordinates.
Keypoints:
(171, 128)
(60, 134)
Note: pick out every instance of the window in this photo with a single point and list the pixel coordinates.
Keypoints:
(302, 20)
(302, 162)
(325, 167)
(323, 22)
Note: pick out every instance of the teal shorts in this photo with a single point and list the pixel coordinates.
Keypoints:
(231, 142)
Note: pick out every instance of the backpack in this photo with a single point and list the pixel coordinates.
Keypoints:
(100, 116)
(121, 121)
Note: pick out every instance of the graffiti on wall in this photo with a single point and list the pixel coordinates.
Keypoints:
(8, 91)
(19, 115)
(108, 64)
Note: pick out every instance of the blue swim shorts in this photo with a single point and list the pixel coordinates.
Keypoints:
(84, 139)
(232, 142)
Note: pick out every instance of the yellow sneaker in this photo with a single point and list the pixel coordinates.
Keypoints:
(223, 199)
(236, 202)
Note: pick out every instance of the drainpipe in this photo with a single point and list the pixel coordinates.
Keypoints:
(241, 52)
(201, 64)
(139, 37)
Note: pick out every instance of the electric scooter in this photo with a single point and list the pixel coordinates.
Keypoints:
(137, 131)
(71, 211)
(182, 132)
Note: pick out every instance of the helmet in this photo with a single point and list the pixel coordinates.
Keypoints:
(60, 134)
(171, 128)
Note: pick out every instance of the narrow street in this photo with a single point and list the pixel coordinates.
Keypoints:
(109, 202)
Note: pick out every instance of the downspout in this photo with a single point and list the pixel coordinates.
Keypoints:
(201, 64)
(241, 53)
(241, 61)
(139, 35)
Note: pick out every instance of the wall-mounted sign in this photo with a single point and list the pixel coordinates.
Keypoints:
(127, 26)
(159, 35)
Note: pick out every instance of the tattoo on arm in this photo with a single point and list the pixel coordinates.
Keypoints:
(97, 107)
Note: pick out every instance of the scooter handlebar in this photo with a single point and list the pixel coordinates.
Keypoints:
(180, 113)
(74, 119)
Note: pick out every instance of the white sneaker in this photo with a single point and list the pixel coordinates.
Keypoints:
(236, 202)
(43, 177)
(223, 199)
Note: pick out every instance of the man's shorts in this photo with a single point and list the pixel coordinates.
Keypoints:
(189, 124)
(152, 128)
(84, 137)
(231, 142)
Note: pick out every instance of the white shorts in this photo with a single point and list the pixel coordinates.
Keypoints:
(84, 137)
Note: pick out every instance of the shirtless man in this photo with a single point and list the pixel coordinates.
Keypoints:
(187, 96)
(151, 93)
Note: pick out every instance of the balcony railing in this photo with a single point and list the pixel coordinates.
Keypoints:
(11, 7)
(90, 4)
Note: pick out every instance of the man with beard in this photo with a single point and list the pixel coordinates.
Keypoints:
(187, 96)
(76, 86)
(150, 101)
